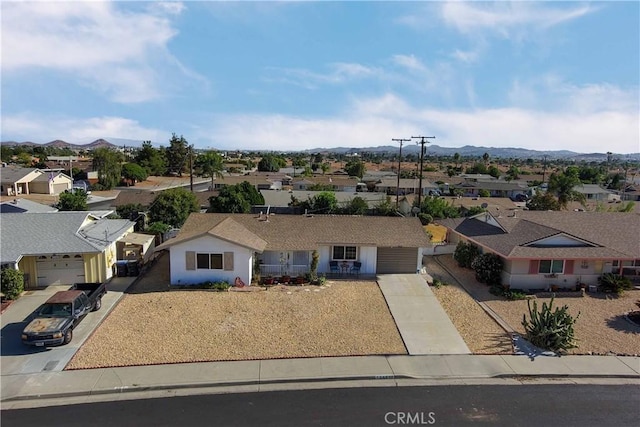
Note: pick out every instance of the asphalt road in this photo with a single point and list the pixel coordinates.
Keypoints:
(516, 405)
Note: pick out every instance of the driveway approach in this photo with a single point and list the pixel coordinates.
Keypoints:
(421, 320)
(18, 358)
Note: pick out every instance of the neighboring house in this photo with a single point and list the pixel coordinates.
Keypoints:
(17, 180)
(226, 246)
(407, 186)
(341, 183)
(24, 205)
(146, 198)
(496, 188)
(595, 193)
(541, 248)
(61, 247)
(280, 200)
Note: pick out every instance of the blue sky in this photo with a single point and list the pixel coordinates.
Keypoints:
(298, 75)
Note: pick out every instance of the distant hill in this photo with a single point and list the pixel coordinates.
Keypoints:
(58, 143)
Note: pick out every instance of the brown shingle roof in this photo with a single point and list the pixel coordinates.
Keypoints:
(299, 232)
(612, 234)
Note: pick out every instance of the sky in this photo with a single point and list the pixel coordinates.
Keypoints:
(302, 75)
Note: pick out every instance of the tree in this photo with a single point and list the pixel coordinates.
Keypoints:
(356, 206)
(269, 163)
(456, 159)
(494, 171)
(438, 207)
(108, 164)
(324, 203)
(177, 154)
(486, 158)
(11, 283)
(132, 212)
(151, 159)
(324, 167)
(236, 199)
(355, 167)
(173, 207)
(133, 172)
(478, 168)
(210, 164)
(488, 268)
(562, 185)
(513, 173)
(543, 201)
(75, 200)
(385, 208)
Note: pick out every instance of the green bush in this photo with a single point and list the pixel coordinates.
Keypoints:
(514, 295)
(12, 283)
(550, 330)
(614, 283)
(465, 253)
(425, 219)
(484, 193)
(488, 268)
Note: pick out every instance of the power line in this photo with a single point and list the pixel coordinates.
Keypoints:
(400, 140)
(423, 140)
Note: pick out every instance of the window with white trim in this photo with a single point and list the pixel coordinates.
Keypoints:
(345, 253)
(551, 266)
(209, 261)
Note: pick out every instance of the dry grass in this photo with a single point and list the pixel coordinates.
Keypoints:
(601, 328)
(438, 232)
(340, 319)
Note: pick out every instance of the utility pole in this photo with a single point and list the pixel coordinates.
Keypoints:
(544, 168)
(191, 167)
(423, 140)
(400, 140)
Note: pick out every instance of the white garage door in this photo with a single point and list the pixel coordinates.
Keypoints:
(397, 260)
(59, 188)
(63, 269)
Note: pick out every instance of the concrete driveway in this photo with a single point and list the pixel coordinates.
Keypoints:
(17, 358)
(423, 324)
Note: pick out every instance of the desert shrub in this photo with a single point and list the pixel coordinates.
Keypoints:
(514, 295)
(12, 283)
(425, 219)
(550, 330)
(488, 268)
(614, 283)
(465, 253)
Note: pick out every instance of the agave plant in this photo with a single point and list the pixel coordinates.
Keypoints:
(550, 330)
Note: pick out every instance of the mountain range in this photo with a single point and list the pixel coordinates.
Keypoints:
(430, 150)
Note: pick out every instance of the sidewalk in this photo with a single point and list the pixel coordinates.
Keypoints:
(84, 385)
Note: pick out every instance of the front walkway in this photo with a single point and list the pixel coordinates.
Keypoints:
(423, 324)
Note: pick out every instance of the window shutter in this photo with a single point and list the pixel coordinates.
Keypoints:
(228, 261)
(568, 266)
(190, 260)
(533, 266)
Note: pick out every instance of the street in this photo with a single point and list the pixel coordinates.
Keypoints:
(508, 405)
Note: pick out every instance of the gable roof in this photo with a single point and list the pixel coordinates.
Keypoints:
(45, 176)
(56, 232)
(11, 174)
(301, 232)
(610, 234)
(283, 198)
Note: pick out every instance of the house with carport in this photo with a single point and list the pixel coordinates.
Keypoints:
(542, 249)
(213, 247)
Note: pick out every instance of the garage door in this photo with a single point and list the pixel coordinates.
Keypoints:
(59, 188)
(397, 260)
(60, 270)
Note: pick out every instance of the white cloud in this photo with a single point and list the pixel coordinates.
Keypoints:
(339, 72)
(112, 49)
(507, 18)
(373, 122)
(40, 129)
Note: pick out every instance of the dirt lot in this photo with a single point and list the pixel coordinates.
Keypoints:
(340, 319)
(601, 328)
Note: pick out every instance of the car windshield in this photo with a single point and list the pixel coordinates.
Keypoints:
(55, 310)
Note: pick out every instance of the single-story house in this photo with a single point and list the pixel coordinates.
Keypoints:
(226, 246)
(407, 186)
(18, 180)
(20, 205)
(496, 188)
(544, 248)
(280, 200)
(61, 247)
(341, 183)
(593, 192)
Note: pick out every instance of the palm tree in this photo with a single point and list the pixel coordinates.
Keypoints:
(456, 159)
(210, 164)
(486, 158)
(562, 184)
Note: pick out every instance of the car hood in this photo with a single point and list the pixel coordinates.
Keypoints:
(42, 325)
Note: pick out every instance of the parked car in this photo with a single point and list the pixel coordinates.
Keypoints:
(520, 198)
(56, 319)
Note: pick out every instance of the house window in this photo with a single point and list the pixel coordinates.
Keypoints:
(209, 261)
(345, 253)
(548, 266)
(585, 264)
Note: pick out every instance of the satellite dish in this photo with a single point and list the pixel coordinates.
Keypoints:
(484, 206)
(415, 210)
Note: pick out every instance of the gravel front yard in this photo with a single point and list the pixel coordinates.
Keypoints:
(340, 319)
(601, 328)
(478, 330)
